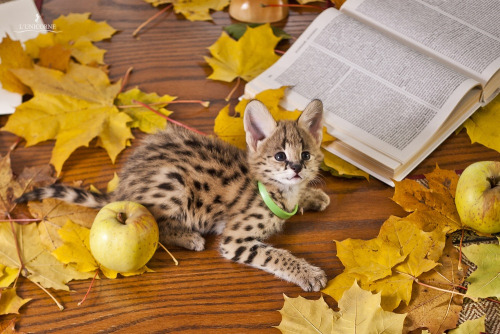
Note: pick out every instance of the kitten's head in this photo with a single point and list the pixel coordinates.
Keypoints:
(286, 152)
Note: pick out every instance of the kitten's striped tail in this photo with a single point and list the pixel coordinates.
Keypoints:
(67, 194)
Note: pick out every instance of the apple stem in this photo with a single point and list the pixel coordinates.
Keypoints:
(166, 250)
(121, 217)
(88, 290)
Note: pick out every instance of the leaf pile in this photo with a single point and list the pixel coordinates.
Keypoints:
(73, 101)
(230, 129)
(46, 242)
(411, 250)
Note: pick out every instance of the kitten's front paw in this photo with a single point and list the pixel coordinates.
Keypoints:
(311, 278)
(315, 200)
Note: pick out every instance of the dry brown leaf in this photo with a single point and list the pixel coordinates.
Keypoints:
(433, 309)
(436, 198)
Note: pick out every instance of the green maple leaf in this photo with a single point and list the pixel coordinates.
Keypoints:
(485, 280)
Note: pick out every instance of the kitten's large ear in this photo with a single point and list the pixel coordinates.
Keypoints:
(312, 119)
(258, 123)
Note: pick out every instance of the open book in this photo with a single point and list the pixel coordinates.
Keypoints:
(396, 77)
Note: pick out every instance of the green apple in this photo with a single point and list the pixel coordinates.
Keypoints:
(124, 236)
(478, 196)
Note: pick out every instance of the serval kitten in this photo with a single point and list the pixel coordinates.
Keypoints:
(196, 184)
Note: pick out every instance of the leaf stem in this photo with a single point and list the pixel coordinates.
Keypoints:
(50, 295)
(88, 290)
(203, 103)
(125, 78)
(168, 118)
(166, 250)
(145, 23)
(228, 97)
(24, 220)
(460, 268)
(415, 279)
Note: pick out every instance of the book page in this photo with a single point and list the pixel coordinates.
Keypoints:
(378, 94)
(465, 34)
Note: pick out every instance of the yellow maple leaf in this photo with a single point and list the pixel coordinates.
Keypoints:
(359, 312)
(246, 58)
(143, 118)
(56, 57)
(7, 275)
(389, 263)
(482, 126)
(338, 167)
(40, 266)
(72, 108)
(12, 56)
(193, 10)
(75, 251)
(10, 302)
(77, 33)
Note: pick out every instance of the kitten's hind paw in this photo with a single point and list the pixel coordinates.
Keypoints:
(194, 242)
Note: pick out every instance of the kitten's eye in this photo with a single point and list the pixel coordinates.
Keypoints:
(305, 155)
(280, 156)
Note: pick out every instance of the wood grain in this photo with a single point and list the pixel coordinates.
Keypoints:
(205, 293)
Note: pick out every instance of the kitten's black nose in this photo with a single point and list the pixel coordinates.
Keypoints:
(296, 167)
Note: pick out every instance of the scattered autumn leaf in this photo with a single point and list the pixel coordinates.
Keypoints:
(193, 10)
(389, 263)
(471, 327)
(72, 108)
(436, 198)
(338, 167)
(75, 32)
(237, 30)
(7, 275)
(56, 57)
(444, 306)
(10, 302)
(246, 58)
(8, 326)
(482, 126)
(485, 280)
(300, 315)
(360, 312)
(37, 263)
(53, 214)
(142, 118)
(12, 56)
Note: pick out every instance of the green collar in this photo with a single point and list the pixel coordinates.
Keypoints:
(272, 206)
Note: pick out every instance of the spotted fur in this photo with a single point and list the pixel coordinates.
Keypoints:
(196, 185)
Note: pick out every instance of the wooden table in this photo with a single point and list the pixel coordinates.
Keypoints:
(205, 293)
